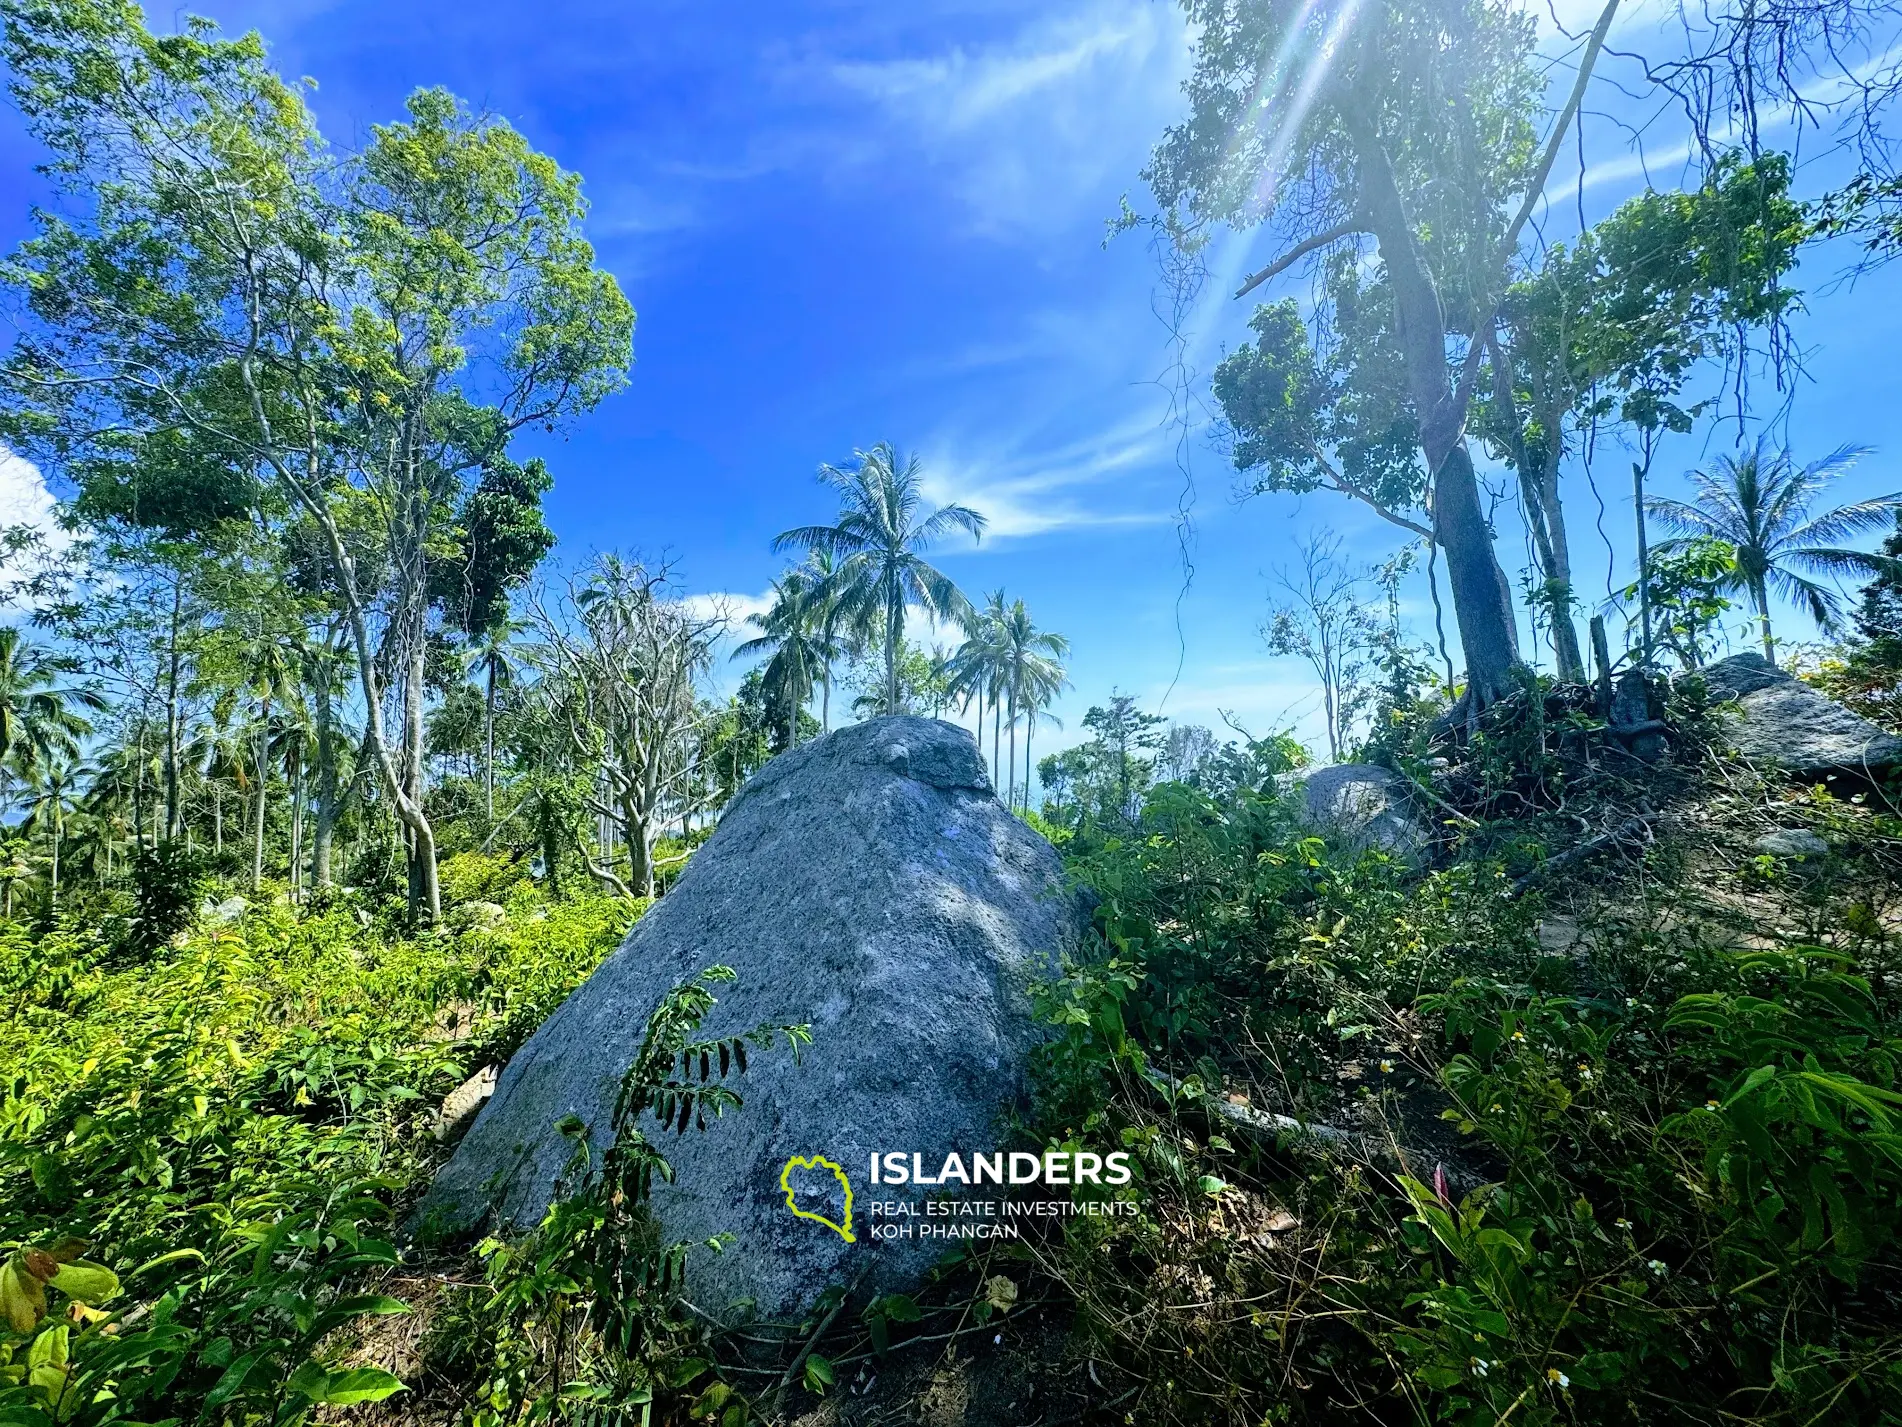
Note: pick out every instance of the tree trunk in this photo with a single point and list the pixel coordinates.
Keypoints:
(1638, 470)
(488, 743)
(1760, 592)
(1482, 597)
(894, 636)
(997, 746)
(52, 905)
(171, 718)
(1030, 732)
(425, 888)
(297, 822)
(217, 818)
(1566, 646)
(1011, 801)
(323, 830)
(257, 818)
(825, 699)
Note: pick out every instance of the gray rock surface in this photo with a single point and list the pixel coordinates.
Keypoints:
(1791, 842)
(868, 883)
(1784, 721)
(1361, 806)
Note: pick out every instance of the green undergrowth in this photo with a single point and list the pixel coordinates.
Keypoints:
(1627, 1150)
(231, 1124)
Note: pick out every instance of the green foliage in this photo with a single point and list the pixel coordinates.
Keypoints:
(168, 883)
(1666, 1182)
(232, 1126)
(585, 1310)
(1686, 580)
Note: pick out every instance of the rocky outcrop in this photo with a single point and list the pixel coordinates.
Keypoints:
(870, 884)
(1362, 806)
(1783, 721)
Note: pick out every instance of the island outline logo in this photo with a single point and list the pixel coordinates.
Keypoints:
(819, 1161)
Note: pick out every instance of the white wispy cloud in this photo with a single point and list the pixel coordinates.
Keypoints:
(1031, 127)
(1095, 482)
(26, 503)
(732, 606)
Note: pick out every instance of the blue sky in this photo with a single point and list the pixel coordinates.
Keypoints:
(849, 222)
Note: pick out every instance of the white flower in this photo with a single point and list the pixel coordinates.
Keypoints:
(1554, 1375)
(1481, 1367)
(1659, 1267)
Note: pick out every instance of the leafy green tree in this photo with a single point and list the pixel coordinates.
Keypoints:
(364, 333)
(1686, 580)
(1127, 739)
(1411, 121)
(1757, 504)
(1614, 328)
(1869, 678)
(878, 543)
(1335, 419)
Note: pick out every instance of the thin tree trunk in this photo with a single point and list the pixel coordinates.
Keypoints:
(323, 831)
(257, 821)
(997, 744)
(297, 823)
(53, 902)
(171, 718)
(488, 743)
(217, 818)
(825, 699)
(1638, 470)
(1012, 800)
(1030, 732)
(425, 887)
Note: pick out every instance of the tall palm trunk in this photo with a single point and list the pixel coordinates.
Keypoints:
(53, 899)
(1030, 730)
(257, 817)
(1760, 595)
(1012, 800)
(997, 720)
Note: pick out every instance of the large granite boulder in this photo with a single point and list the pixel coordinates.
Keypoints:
(870, 884)
(1363, 806)
(1783, 721)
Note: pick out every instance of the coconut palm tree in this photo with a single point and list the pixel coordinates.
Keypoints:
(877, 543)
(15, 864)
(36, 714)
(791, 629)
(1030, 675)
(53, 783)
(977, 667)
(1756, 503)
